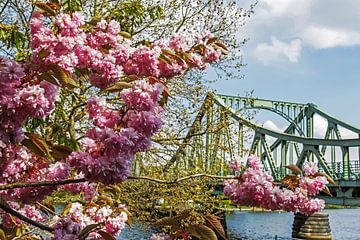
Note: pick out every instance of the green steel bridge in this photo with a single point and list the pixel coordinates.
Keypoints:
(223, 131)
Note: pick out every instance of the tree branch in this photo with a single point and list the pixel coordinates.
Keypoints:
(11, 211)
(70, 181)
(40, 184)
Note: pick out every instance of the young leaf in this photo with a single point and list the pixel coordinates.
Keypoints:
(130, 78)
(165, 59)
(60, 152)
(211, 40)
(219, 44)
(129, 216)
(167, 221)
(294, 168)
(214, 223)
(58, 76)
(330, 180)
(125, 34)
(2, 235)
(202, 232)
(43, 53)
(39, 142)
(327, 191)
(47, 10)
(105, 235)
(63, 76)
(30, 145)
(106, 48)
(168, 52)
(86, 230)
(291, 180)
(183, 214)
(153, 80)
(117, 87)
(105, 199)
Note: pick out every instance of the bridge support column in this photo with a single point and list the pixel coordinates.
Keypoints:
(346, 163)
(346, 194)
(283, 159)
(310, 131)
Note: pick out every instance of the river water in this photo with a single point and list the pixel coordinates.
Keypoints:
(345, 225)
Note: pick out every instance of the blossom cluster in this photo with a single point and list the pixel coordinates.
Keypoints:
(79, 217)
(108, 151)
(107, 55)
(27, 210)
(22, 165)
(257, 188)
(20, 98)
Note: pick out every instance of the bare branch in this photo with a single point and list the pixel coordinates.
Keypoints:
(40, 184)
(11, 211)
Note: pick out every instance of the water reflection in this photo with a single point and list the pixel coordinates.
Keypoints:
(345, 225)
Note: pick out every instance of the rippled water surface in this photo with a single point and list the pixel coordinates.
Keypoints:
(345, 225)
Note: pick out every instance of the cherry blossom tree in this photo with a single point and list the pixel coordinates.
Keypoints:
(120, 84)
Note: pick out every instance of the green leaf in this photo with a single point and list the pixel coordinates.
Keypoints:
(202, 232)
(214, 223)
(105, 235)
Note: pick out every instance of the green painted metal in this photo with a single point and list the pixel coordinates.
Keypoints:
(346, 163)
(219, 132)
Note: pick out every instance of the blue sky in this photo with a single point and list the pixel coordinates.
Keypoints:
(303, 51)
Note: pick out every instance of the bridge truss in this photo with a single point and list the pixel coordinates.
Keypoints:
(220, 132)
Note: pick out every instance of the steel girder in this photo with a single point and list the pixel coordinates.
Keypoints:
(296, 144)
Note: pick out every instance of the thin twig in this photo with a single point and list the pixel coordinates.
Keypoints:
(40, 184)
(11, 211)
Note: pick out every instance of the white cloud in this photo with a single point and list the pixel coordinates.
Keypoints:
(287, 7)
(320, 126)
(272, 126)
(316, 24)
(323, 37)
(278, 50)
